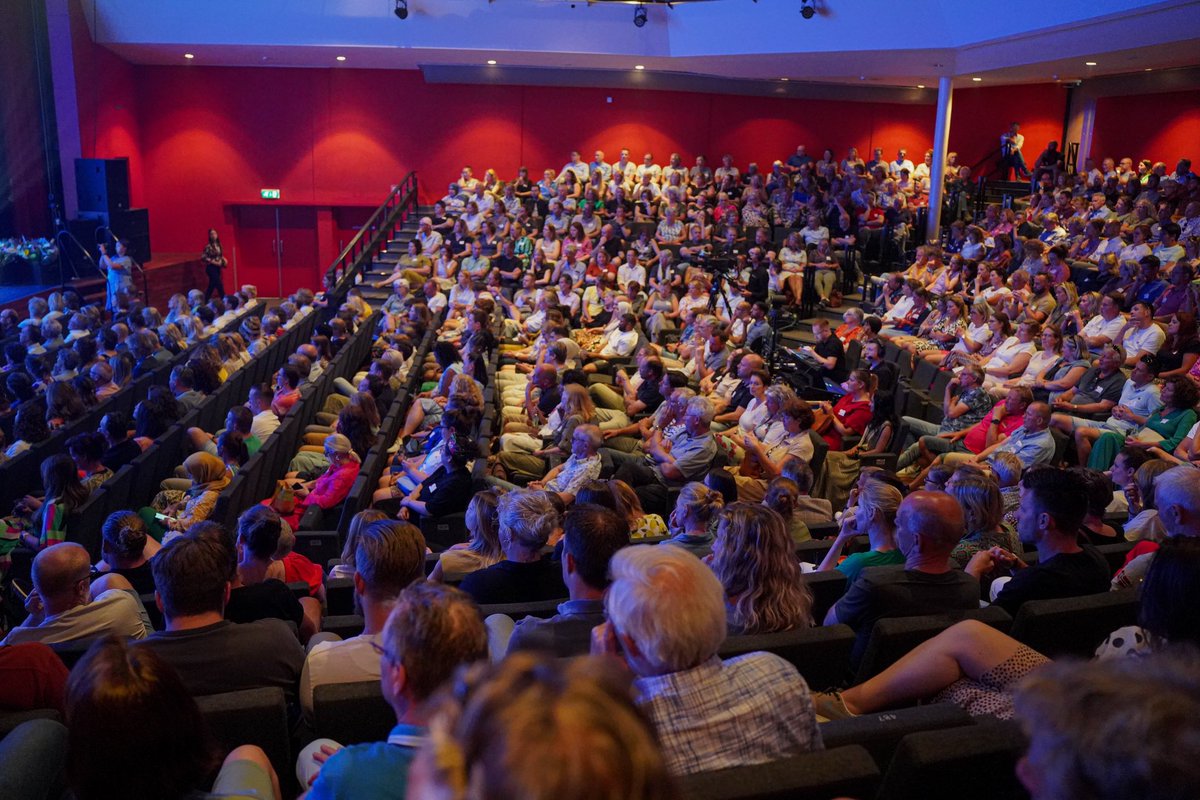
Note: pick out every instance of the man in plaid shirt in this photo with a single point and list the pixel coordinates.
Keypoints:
(666, 613)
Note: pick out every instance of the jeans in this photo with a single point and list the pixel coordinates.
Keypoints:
(917, 428)
(32, 758)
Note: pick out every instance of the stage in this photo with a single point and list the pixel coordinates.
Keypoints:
(166, 274)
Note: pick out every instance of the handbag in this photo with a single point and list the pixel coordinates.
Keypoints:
(284, 499)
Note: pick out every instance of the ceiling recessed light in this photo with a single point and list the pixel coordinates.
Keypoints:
(920, 86)
(491, 62)
(1089, 63)
(977, 80)
(638, 66)
(341, 58)
(188, 56)
(784, 79)
(1149, 69)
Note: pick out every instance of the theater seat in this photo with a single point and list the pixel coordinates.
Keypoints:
(821, 654)
(840, 772)
(252, 716)
(344, 625)
(977, 761)
(892, 638)
(352, 713)
(827, 588)
(11, 719)
(1074, 626)
(881, 733)
(538, 608)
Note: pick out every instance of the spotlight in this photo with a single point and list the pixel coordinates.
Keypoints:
(639, 17)
(402, 9)
(808, 8)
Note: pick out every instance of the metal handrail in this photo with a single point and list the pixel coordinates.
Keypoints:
(376, 231)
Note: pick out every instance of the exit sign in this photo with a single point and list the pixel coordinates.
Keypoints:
(269, 194)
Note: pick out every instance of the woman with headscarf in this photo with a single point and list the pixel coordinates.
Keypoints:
(332, 486)
(174, 511)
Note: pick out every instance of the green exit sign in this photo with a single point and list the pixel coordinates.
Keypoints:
(269, 194)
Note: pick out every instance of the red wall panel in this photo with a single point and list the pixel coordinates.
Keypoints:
(1161, 127)
(980, 115)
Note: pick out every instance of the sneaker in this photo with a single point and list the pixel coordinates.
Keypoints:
(830, 706)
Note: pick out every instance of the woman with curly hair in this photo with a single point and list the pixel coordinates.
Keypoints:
(753, 559)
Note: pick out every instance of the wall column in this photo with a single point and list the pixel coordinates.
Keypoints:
(941, 144)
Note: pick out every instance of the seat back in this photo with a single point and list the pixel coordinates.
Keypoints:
(252, 716)
(891, 638)
(882, 732)
(944, 763)
(820, 448)
(352, 713)
(834, 772)
(543, 609)
(821, 654)
(827, 588)
(1074, 626)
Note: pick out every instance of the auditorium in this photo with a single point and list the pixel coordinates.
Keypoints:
(599, 400)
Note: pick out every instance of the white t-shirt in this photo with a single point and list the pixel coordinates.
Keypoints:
(115, 612)
(1099, 326)
(350, 661)
(619, 343)
(264, 424)
(1150, 340)
(626, 273)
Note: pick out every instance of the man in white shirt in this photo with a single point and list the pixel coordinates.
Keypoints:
(388, 558)
(483, 200)
(434, 299)
(576, 166)
(1100, 209)
(467, 181)
(1143, 336)
(1105, 326)
(431, 240)
(1012, 142)
(1169, 251)
(64, 607)
(631, 270)
(727, 169)
(648, 167)
(625, 168)
(675, 167)
(900, 163)
(618, 343)
(265, 419)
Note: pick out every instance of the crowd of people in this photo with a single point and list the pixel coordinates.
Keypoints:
(649, 472)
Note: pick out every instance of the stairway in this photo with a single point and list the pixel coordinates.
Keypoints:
(385, 263)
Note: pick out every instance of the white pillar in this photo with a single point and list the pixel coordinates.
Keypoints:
(941, 144)
(1083, 129)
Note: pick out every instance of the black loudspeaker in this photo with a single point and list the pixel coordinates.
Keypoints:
(102, 184)
(133, 224)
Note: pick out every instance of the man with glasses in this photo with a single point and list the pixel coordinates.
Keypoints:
(566, 479)
(668, 463)
(431, 632)
(65, 607)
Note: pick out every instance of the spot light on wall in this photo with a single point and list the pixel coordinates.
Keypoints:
(639, 17)
(401, 9)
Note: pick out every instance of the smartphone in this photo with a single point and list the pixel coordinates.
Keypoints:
(161, 517)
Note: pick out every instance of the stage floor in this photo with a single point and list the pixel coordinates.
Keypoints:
(10, 293)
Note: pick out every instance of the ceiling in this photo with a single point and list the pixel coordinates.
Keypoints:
(864, 43)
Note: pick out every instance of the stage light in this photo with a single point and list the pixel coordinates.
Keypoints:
(401, 9)
(639, 17)
(808, 8)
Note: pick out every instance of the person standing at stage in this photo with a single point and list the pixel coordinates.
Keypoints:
(118, 271)
(214, 261)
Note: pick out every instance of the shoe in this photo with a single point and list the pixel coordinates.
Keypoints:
(830, 706)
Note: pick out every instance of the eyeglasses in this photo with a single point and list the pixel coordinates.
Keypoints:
(384, 652)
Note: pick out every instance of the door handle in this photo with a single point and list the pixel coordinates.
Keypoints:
(274, 244)
(281, 247)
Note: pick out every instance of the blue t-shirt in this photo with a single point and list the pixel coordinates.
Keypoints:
(378, 770)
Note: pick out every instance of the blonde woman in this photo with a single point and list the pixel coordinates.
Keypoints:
(983, 511)
(874, 516)
(482, 549)
(696, 507)
(357, 525)
(783, 497)
(753, 559)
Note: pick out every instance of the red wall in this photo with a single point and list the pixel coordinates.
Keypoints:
(1162, 127)
(107, 93)
(980, 115)
(207, 137)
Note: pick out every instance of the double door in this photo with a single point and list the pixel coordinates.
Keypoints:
(277, 249)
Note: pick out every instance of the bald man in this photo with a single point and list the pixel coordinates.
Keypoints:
(65, 607)
(928, 526)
